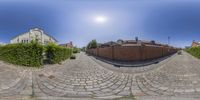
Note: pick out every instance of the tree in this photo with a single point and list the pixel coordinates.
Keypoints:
(92, 44)
(88, 46)
(83, 49)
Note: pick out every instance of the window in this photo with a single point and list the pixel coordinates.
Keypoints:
(24, 41)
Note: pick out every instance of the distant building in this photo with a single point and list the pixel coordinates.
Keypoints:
(195, 44)
(68, 45)
(34, 34)
(135, 42)
(120, 41)
(186, 47)
(108, 44)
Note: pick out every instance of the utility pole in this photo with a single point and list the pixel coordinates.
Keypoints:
(168, 40)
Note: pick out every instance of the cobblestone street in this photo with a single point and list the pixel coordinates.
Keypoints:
(89, 78)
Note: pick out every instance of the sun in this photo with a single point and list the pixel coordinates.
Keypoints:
(100, 19)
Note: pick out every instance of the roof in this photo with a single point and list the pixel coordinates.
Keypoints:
(130, 40)
(134, 43)
(110, 43)
(152, 42)
(131, 44)
(99, 44)
(37, 29)
(197, 43)
(51, 36)
(68, 44)
(62, 44)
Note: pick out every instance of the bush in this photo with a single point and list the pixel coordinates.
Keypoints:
(26, 54)
(56, 54)
(76, 50)
(195, 51)
(73, 57)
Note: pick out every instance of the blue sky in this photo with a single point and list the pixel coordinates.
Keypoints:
(73, 20)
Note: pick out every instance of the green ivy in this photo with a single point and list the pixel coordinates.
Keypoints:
(26, 54)
(56, 54)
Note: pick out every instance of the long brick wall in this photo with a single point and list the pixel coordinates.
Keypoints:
(132, 53)
(105, 52)
(127, 53)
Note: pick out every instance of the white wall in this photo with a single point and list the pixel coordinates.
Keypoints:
(32, 35)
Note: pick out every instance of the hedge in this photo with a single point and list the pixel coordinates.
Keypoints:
(26, 54)
(195, 51)
(76, 50)
(56, 54)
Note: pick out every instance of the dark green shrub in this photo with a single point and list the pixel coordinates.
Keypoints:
(26, 54)
(73, 57)
(195, 51)
(56, 54)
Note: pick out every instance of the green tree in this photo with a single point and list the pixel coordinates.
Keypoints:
(83, 49)
(92, 44)
(88, 46)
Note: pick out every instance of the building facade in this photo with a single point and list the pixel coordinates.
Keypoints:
(195, 44)
(68, 45)
(34, 34)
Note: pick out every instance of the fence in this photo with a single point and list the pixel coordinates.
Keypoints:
(132, 53)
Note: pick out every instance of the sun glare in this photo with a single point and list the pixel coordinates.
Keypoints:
(100, 19)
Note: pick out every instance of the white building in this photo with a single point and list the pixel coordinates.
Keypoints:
(34, 34)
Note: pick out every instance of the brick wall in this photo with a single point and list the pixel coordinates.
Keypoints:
(150, 52)
(132, 53)
(105, 52)
(127, 53)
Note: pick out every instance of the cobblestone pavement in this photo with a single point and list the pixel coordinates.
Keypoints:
(88, 78)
